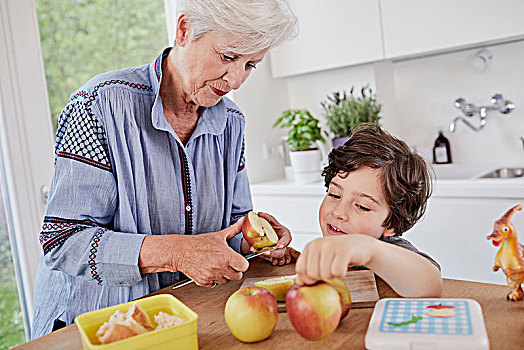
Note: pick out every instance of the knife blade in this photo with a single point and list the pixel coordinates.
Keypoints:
(262, 251)
(185, 282)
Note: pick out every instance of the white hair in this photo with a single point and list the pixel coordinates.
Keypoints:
(252, 25)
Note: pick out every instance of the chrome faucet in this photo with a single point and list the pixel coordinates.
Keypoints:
(469, 110)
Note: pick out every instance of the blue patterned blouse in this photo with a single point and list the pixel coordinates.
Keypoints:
(121, 173)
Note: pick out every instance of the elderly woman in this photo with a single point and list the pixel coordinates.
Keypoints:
(149, 179)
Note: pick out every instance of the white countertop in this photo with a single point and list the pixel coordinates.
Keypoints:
(451, 181)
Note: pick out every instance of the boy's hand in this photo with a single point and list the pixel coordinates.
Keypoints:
(330, 257)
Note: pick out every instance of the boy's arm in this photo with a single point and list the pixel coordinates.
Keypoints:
(408, 273)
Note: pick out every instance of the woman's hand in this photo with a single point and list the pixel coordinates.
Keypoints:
(283, 255)
(205, 258)
(330, 257)
(284, 239)
(290, 255)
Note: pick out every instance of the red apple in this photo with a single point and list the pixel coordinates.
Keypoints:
(251, 314)
(441, 311)
(258, 232)
(343, 292)
(314, 310)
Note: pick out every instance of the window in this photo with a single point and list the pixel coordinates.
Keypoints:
(78, 39)
(82, 38)
(11, 320)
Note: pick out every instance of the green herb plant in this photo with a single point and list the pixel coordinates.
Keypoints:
(305, 129)
(343, 111)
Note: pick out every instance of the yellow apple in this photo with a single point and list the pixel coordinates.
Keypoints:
(314, 310)
(278, 286)
(343, 292)
(258, 232)
(251, 314)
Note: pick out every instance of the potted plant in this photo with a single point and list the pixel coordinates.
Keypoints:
(345, 111)
(305, 142)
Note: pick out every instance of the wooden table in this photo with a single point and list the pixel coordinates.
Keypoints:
(504, 319)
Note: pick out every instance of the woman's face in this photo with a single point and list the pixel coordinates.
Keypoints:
(355, 204)
(208, 71)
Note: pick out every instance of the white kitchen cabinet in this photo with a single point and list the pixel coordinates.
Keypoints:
(414, 27)
(459, 217)
(333, 33)
(454, 232)
(294, 206)
(340, 33)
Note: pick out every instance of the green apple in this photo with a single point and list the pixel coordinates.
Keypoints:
(343, 292)
(258, 231)
(314, 310)
(251, 314)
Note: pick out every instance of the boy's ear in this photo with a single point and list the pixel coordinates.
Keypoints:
(183, 31)
(389, 232)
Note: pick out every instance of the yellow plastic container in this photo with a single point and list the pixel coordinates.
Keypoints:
(182, 336)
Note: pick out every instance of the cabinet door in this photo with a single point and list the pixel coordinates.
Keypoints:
(298, 213)
(413, 27)
(333, 33)
(454, 230)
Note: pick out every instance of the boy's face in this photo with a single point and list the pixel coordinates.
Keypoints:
(355, 204)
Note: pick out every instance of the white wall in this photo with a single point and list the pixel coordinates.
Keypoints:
(424, 92)
(262, 100)
(417, 98)
(308, 90)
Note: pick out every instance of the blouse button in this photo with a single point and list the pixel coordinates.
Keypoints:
(188, 208)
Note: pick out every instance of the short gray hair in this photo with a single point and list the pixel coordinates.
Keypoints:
(253, 25)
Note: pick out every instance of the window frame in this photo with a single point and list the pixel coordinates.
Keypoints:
(27, 138)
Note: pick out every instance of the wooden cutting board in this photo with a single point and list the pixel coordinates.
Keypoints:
(361, 285)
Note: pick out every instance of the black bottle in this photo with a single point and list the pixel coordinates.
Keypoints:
(441, 150)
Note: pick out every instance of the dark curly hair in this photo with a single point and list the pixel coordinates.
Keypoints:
(405, 177)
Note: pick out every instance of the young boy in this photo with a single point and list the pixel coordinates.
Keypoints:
(377, 190)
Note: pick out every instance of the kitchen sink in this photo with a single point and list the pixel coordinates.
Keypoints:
(458, 171)
(504, 173)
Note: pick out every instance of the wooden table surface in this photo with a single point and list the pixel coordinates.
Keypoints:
(504, 319)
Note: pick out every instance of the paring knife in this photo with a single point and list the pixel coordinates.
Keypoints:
(249, 256)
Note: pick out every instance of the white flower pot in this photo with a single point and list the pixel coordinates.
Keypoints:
(306, 165)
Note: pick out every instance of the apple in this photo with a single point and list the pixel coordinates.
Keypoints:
(343, 292)
(441, 311)
(258, 232)
(278, 286)
(251, 314)
(314, 310)
(440, 306)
